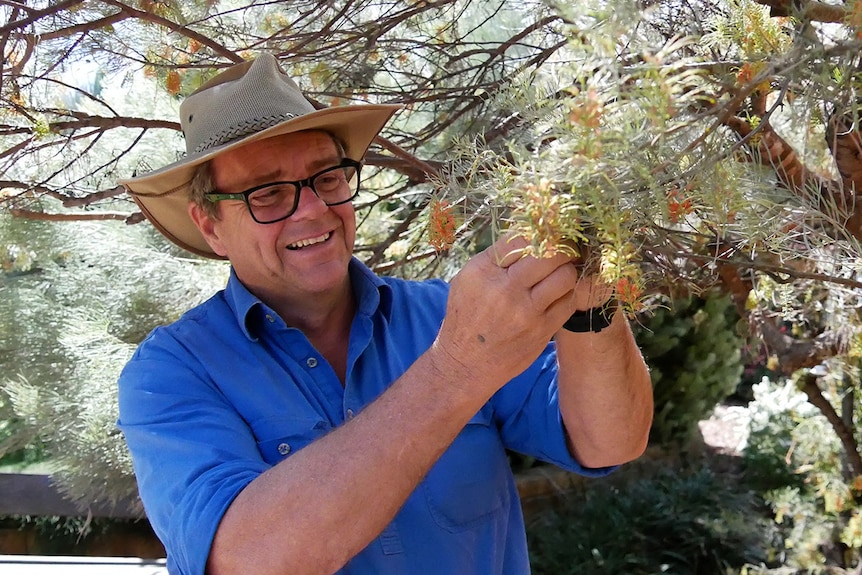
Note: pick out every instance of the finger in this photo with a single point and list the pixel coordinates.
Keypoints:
(529, 271)
(557, 286)
(508, 249)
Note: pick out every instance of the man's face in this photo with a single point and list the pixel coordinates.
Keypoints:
(303, 256)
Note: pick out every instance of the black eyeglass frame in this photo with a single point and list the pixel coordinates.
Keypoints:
(300, 184)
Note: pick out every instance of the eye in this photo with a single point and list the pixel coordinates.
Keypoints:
(329, 181)
(271, 195)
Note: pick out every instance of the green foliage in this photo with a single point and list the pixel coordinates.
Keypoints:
(18, 450)
(67, 327)
(694, 356)
(611, 121)
(794, 459)
(674, 523)
(770, 442)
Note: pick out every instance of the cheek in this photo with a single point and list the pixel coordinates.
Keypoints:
(241, 234)
(348, 219)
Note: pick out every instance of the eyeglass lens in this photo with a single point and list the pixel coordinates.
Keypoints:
(272, 203)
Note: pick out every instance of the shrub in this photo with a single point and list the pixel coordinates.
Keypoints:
(673, 523)
(794, 459)
(695, 360)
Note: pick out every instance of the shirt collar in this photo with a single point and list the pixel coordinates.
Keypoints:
(372, 294)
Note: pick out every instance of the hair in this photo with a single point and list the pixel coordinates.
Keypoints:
(200, 186)
(202, 182)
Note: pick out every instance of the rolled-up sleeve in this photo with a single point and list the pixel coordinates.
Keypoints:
(192, 451)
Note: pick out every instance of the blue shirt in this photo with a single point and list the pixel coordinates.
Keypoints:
(212, 401)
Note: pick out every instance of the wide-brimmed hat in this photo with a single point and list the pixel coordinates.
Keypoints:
(245, 103)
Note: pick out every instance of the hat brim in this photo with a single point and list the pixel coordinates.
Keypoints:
(163, 194)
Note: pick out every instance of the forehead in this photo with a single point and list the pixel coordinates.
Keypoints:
(292, 156)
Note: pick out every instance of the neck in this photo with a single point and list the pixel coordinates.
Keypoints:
(325, 319)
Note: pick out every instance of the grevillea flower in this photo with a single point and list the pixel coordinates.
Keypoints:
(441, 225)
(677, 206)
(541, 209)
(629, 293)
(173, 82)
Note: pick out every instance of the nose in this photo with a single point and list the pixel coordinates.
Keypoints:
(309, 204)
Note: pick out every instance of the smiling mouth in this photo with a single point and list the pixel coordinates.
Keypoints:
(309, 242)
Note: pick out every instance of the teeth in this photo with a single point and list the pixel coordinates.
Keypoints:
(309, 242)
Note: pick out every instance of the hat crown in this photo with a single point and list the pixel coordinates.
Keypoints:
(242, 100)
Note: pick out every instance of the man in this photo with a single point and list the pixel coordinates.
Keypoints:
(315, 418)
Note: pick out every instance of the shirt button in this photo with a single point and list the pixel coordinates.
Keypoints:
(311, 362)
(350, 414)
(283, 448)
(269, 318)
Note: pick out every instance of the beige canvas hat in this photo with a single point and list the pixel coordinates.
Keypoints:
(245, 103)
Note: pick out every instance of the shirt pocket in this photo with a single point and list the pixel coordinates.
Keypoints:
(469, 483)
(281, 437)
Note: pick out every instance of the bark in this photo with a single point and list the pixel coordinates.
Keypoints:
(844, 433)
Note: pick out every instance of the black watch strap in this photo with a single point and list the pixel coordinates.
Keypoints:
(593, 320)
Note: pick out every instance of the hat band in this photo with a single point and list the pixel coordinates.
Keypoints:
(240, 130)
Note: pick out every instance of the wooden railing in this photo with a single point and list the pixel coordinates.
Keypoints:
(23, 494)
(37, 495)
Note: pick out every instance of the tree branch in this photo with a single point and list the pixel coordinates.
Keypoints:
(796, 354)
(811, 11)
(38, 15)
(178, 28)
(105, 123)
(76, 217)
(772, 269)
(83, 27)
(845, 434)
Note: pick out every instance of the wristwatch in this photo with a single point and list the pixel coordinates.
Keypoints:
(594, 319)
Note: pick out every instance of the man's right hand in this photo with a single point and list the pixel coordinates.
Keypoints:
(503, 309)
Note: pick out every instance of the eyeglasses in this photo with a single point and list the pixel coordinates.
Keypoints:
(276, 201)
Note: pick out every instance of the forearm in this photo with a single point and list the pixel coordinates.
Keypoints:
(605, 394)
(321, 506)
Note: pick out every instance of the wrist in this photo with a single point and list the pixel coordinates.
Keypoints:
(592, 320)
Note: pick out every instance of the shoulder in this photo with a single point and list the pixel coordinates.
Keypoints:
(177, 362)
(212, 319)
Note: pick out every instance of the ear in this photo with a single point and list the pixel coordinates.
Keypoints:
(207, 226)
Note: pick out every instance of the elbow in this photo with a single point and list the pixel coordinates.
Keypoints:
(233, 553)
(638, 441)
(611, 449)
(619, 455)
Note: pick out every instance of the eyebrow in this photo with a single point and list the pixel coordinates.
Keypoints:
(314, 166)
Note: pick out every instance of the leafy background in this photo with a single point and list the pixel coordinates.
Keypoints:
(702, 156)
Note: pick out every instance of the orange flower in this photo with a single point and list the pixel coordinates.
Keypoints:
(749, 72)
(628, 292)
(677, 206)
(172, 83)
(587, 111)
(441, 225)
(854, 18)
